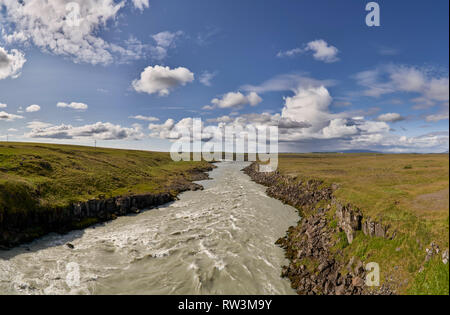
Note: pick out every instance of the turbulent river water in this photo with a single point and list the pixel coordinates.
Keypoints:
(217, 241)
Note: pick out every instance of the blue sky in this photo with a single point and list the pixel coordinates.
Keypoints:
(312, 67)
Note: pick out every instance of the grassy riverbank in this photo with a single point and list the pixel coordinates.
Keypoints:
(48, 176)
(410, 193)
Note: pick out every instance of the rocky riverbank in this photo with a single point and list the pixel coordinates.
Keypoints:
(312, 247)
(17, 228)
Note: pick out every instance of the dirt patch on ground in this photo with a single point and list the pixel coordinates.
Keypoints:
(430, 203)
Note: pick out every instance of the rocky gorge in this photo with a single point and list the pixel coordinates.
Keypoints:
(211, 241)
(21, 227)
(312, 247)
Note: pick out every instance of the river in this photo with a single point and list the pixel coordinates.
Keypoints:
(220, 240)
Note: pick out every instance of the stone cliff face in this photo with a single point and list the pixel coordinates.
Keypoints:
(20, 227)
(313, 268)
(351, 220)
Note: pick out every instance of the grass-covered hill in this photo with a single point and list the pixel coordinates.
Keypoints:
(410, 193)
(60, 174)
(48, 176)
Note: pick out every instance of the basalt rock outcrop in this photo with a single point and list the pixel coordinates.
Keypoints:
(291, 190)
(311, 245)
(313, 269)
(20, 227)
(351, 220)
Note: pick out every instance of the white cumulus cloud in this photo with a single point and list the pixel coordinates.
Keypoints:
(162, 80)
(37, 124)
(306, 124)
(145, 118)
(11, 63)
(141, 4)
(99, 130)
(9, 117)
(390, 117)
(33, 108)
(235, 100)
(321, 50)
(65, 27)
(73, 105)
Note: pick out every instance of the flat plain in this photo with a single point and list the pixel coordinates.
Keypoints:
(408, 192)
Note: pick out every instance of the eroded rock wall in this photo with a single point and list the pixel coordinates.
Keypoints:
(18, 227)
(313, 268)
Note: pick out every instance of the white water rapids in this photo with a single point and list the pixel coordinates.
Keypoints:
(217, 241)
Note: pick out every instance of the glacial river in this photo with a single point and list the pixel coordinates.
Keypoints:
(216, 241)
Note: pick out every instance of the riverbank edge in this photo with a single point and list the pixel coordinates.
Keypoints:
(312, 246)
(20, 228)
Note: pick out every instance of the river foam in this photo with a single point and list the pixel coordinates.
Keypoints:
(217, 241)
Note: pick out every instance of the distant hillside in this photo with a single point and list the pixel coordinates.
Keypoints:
(358, 151)
(346, 151)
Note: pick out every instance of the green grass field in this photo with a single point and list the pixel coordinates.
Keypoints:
(57, 175)
(408, 192)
